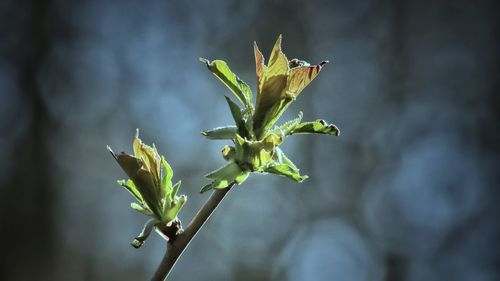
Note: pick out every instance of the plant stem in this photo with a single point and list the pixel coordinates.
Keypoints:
(175, 248)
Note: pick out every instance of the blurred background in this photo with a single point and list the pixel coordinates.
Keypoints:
(407, 192)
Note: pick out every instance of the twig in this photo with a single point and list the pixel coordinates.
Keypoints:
(175, 248)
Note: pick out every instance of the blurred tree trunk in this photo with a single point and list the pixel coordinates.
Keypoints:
(25, 210)
(397, 69)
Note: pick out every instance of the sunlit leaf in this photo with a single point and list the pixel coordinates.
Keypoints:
(286, 171)
(241, 177)
(172, 212)
(206, 188)
(228, 152)
(129, 164)
(271, 141)
(175, 189)
(224, 176)
(259, 66)
(300, 77)
(315, 127)
(283, 166)
(225, 171)
(130, 186)
(151, 184)
(146, 186)
(239, 88)
(141, 209)
(146, 230)
(221, 133)
(150, 157)
(238, 117)
(288, 126)
(278, 85)
(271, 84)
(166, 182)
(280, 158)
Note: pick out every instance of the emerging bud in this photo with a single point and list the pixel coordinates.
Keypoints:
(255, 140)
(150, 182)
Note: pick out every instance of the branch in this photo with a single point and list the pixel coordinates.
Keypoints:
(175, 248)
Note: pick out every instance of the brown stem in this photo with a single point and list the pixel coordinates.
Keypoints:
(175, 248)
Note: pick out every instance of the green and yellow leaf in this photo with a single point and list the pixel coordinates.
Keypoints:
(130, 187)
(315, 127)
(239, 88)
(221, 133)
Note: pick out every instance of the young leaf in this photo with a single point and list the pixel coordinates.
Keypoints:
(286, 171)
(221, 133)
(241, 178)
(227, 171)
(149, 156)
(145, 184)
(237, 116)
(239, 88)
(315, 127)
(220, 183)
(166, 181)
(146, 230)
(129, 164)
(228, 152)
(141, 209)
(175, 189)
(206, 188)
(130, 186)
(288, 126)
(301, 76)
(283, 166)
(248, 120)
(271, 85)
(224, 176)
(172, 212)
(278, 85)
(280, 158)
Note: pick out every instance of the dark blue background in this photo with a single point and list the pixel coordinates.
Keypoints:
(409, 191)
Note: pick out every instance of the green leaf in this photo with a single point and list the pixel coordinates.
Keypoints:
(239, 88)
(218, 184)
(225, 171)
(224, 176)
(241, 178)
(288, 126)
(145, 184)
(315, 127)
(248, 120)
(130, 186)
(286, 171)
(166, 181)
(228, 152)
(280, 158)
(175, 189)
(283, 166)
(254, 155)
(141, 209)
(266, 116)
(172, 212)
(129, 164)
(170, 202)
(142, 180)
(221, 133)
(237, 116)
(146, 230)
(206, 188)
